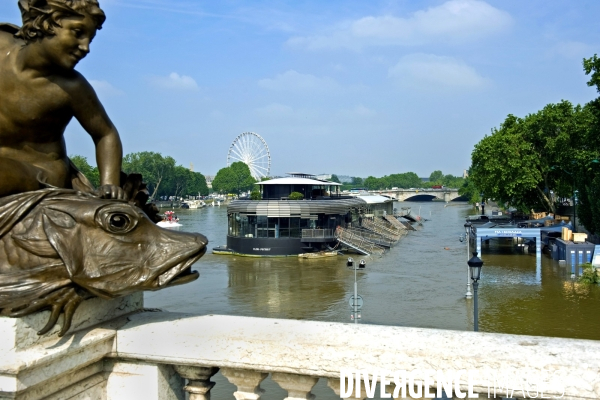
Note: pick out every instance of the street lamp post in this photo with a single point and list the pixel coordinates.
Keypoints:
(356, 301)
(475, 265)
(468, 225)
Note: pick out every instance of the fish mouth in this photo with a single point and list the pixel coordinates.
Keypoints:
(181, 273)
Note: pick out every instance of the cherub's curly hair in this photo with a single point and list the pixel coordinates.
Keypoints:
(40, 17)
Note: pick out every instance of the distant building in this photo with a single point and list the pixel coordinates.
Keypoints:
(342, 178)
(209, 179)
(324, 177)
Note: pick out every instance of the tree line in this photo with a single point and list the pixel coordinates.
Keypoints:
(405, 180)
(160, 173)
(533, 162)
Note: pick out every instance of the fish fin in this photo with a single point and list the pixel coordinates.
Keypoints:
(63, 233)
(34, 239)
(40, 248)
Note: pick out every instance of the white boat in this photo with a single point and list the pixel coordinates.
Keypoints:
(168, 224)
(170, 220)
(193, 204)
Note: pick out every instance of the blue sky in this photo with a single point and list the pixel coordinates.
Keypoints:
(349, 87)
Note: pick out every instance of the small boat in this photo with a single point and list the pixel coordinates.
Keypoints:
(319, 254)
(222, 250)
(193, 204)
(170, 220)
(168, 224)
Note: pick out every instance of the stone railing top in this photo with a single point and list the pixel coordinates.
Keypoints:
(569, 367)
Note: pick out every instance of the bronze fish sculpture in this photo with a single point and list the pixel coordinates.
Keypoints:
(60, 246)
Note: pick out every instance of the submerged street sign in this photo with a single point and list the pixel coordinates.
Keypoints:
(359, 302)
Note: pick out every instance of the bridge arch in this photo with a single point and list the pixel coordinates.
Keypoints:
(413, 194)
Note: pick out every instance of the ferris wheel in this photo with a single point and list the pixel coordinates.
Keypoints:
(251, 149)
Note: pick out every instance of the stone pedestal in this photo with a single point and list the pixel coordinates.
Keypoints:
(72, 367)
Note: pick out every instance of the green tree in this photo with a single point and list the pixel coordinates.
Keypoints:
(356, 181)
(526, 158)
(223, 181)
(255, 195)
(371, 183)
(592, 66)
(470, 191)
(436, 177)
(587, 175)
(197, 185)
(155, 168)
(233, 179)
(90, 172)
(334, 178)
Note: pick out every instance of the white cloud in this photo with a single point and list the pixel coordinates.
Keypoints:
(292, 81)
(429, 71)
(174, 81)
(453, 21)
(105, 88)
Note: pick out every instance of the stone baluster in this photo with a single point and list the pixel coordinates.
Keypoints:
(247, 382)
(334, 383)
(297, 386)
(199, 383)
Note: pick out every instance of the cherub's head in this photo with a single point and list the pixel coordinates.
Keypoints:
(40, 17)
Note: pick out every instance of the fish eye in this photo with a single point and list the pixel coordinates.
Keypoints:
(118, 221)
(115, 219)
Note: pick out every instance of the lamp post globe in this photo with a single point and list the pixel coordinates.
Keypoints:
(475, 265)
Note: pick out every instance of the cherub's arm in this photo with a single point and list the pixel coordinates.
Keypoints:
(109, 152)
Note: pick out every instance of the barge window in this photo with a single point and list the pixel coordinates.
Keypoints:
(252, 227)
(295, 227)
(262, 226)
(284, 227)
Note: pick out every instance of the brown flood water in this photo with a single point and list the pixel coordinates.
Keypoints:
(421, 282)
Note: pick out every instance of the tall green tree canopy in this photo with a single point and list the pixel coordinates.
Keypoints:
(436, 177)
(154, 167)
(531, 162)
(588, 168)
(233, 179)
(183, 182)
(526, 158)
(160, 173)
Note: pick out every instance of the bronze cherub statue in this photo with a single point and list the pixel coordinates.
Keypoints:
(61, 240)
(42, 92)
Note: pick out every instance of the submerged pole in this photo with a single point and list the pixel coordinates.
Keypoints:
(355, 297)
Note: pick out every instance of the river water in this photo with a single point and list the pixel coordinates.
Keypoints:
(420, 282)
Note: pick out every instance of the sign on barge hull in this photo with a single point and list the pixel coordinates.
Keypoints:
(265, 247)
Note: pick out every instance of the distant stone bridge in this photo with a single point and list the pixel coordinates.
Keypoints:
(445, 194)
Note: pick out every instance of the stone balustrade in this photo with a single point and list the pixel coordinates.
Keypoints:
(163, 356)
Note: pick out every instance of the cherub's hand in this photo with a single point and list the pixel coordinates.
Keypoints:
(111, 192)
